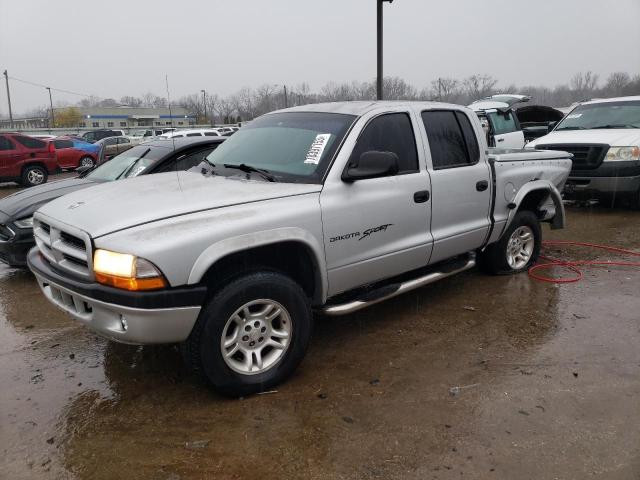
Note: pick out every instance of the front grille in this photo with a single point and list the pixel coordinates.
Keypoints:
(70, 251)
(6, 233)
(585, 156)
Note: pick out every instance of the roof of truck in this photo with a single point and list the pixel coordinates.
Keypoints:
(362, 107)
(616, 99)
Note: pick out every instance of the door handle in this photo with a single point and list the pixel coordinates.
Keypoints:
(501, 139)
(421, 196)
(482, 185)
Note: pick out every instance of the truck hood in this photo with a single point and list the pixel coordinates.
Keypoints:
(25, 202)
(620, 137)
(115, 206)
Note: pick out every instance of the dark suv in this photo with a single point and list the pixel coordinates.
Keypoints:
(95, 135)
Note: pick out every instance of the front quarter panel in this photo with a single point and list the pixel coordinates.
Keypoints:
(184, 247)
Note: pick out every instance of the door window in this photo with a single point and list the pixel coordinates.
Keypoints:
(469, 137)
(6, 144)
(391, 132)
(30, 142)
(194, 134)
(503, 122)
(447, 141)
(122, 140)
(60, 144)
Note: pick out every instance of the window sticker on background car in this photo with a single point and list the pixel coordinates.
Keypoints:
(317, 148)
(574, 115)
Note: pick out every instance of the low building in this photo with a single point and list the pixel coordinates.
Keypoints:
(112, 117)
(130, 117)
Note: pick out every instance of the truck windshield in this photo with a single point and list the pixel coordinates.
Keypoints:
(292, 146)
(602, 115)
(142, 156)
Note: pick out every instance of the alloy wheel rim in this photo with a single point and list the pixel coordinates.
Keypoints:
(520, 247)
(256, 337)
(35, 177)
(86, 162)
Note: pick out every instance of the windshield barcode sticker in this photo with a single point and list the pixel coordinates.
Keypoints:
(317, 148)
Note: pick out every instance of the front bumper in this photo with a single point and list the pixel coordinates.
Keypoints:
(127, 318)
(578, 186)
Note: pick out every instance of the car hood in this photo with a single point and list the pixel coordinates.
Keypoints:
(620, 137)
(115, 206)
(25, 202)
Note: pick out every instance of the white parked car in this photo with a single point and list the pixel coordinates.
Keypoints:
(197, 132)
(499, 120)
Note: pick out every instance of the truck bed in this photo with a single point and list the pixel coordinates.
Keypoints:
(525, 154)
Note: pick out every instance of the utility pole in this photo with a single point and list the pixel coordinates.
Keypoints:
(204, 101)
(380, 76)
(53, 119)
(286, 103)
(6, 78)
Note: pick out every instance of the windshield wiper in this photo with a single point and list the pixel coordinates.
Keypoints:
(571, 128)
(249, 169)
(127, 170)
(621, 125)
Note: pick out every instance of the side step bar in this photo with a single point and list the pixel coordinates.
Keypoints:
(358, 304)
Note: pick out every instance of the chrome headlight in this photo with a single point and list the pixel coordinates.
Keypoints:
(126, 271)
(26, 222)
(622, 154)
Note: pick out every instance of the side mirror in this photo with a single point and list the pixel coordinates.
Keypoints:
(551, 126)
(372, 164)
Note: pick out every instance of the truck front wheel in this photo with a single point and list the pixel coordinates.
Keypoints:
(252, 334)
(518, 248)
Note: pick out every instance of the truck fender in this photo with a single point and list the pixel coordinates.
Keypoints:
(221, 249)
(558, 221)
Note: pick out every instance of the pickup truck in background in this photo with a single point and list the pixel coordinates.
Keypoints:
(328, 208)
(604, 138)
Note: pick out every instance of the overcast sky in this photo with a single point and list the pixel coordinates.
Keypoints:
(117, 48)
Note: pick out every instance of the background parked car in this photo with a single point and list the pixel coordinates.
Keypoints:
(95, 135)
(604, 137)
(112, 146)
(148, 133)
(197, 132)
(73, 153)
(16, 223)
(26, 160)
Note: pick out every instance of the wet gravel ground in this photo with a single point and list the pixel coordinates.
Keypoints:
(548, 377)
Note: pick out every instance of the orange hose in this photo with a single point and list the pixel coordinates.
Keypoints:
(573, 266)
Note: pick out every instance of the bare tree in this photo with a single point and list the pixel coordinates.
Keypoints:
(584, 85)
(616, 83)
(479, 86)
(444, 89)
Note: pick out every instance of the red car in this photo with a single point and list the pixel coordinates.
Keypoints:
(73, 153)
(26, 160)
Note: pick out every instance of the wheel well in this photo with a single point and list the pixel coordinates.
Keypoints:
(33, 164)
(533, 200)
(293, 259)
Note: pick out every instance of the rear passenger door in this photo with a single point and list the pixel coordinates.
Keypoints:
(461, 184)
(65, 153)
(375, 228)
(506, 131)
(9, 156)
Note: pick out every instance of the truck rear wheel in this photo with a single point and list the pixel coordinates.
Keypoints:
(251, 335)
(518, 248)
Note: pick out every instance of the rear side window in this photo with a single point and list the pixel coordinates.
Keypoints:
(30, 142)
(59, 144)
(469, 137)
(194, 134)
(6, 144)
(123, 140)
(391, 132)
(211, 134)
(446, 140)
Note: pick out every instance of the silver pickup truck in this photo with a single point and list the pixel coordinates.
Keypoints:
(327, 208)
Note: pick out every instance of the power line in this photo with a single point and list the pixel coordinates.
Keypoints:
(35, 84)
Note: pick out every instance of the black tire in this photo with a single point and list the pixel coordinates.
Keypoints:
(493, 259)
(86, 161)
(34, 175)
(202, 351)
